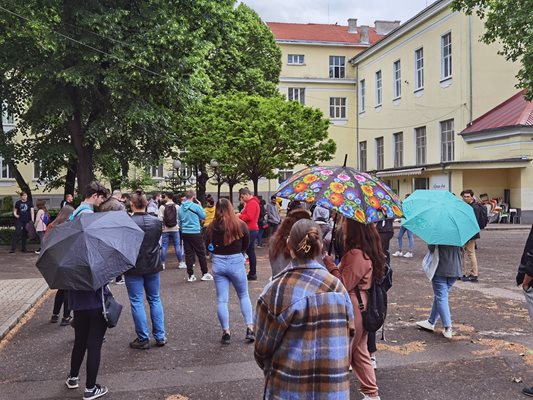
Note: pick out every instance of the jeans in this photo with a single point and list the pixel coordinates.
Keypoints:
(410, 240)
(230, 269)
(260, 236)
(150, 283)
(441, 307)
(166, 237)
(251, 253)
(20, 234)
(529, 302)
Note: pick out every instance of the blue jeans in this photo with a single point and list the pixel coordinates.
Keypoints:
(150, 283)
(166, 237)
(441, 308)
(230, 269)
(410, 240)
(260, 236)
(251, 253)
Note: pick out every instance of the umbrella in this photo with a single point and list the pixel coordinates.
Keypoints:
(353, 194)
(439, 217)
(88, 252)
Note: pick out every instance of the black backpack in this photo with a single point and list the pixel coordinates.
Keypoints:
(170, 217)
(376, 308)
(483, 219)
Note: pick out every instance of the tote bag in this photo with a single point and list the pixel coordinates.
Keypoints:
(430, 263)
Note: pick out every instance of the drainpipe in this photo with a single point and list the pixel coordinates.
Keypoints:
(357, 155)
(470, 72)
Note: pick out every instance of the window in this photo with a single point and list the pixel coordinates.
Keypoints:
(362, 94)
(156, 171)
(446, 55)
(283, 175)
(7, 118)
(297, 94)
(336, 67)
(378, 88)
(5, 170)
(419, 68)
(397, 79)
(420, 140)
(398, 149)
(362, 156)
(421, 183)
(295, 59)
(446, 140)
(337, 107)
(37, 170)
(380, 153)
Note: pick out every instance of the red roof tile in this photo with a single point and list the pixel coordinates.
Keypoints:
(320, 33)
(514, 111)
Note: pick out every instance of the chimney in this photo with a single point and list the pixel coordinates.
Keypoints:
(364, 35)
(385, 27)
(352, 25)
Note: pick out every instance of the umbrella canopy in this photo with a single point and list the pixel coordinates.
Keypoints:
(353, 194)
(439, 217)
(88, 252)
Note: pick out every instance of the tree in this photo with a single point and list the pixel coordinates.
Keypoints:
(260, 134)
(507, 21)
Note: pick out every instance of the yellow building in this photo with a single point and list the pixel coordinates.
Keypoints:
(418, 89)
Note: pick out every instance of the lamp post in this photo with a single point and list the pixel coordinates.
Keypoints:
(204, 176)
(178, 177)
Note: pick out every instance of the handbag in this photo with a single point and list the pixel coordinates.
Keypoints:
(30, 230)
(111, 309)
(430, 263)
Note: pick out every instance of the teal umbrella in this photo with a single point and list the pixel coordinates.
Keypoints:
(439, 217)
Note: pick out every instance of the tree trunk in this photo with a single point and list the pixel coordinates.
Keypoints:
(230, 186)
(70, 178)
(23, 185)
(201, 182)
(255, 181)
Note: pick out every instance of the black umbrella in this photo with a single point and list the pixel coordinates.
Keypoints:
(88, 252)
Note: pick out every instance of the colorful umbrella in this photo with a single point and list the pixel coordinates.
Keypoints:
(439, 217)
(353, 194)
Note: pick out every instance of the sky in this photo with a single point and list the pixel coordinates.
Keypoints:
(336, 11)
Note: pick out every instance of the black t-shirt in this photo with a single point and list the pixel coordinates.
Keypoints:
(65, 203)
(23, 210)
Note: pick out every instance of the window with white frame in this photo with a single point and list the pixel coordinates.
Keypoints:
(295, 59)
(398, 149)
(297, 94)
(5, 170)
(362, 95)
(447, 140)
(362, 156)
(337, 68)
(156, 171)
(7, 118)
(420, 143)
(419, 68)
(397, 79)
(337, 107)
(446, 55)
(380, 153)
(378, 89)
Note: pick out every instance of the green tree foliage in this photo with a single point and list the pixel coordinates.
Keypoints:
(257, 135)
(511, 23)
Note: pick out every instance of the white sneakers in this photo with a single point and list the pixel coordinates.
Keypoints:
(397, 254)
(191, 278)
(408, 255)
(163, 264)
(400, 254)
(207, 277)
(426, 325)
(447, 333)
(374, 362)
(182, 265)
(366, 397)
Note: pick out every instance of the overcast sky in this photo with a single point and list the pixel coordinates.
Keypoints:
(336, 11)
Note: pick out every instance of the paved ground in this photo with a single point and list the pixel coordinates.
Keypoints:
(491, 346)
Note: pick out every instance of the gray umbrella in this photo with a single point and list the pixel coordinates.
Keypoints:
(88, 252)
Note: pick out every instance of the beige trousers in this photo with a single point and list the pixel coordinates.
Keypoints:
(469, 257)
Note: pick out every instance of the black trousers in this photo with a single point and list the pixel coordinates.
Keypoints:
(89, 328)
(194, 245)
(61, 299)
(20, 234)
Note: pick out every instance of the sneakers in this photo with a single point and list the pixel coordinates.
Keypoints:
(472, 278)
(182, 265)
(465, 278)
(163, 265)
(408, 255)
(226, 338)
(37, 251)
(447, 333)
(54, 318)
(207, 277)
(160, 343)
(252, 277)
(528, 391)
(191, 278)
(397, 254)
(94, 393)
(140, 344)
(250, 335)
(366, 397)
(65, 321)
(374, 362)
(73, 382)
(426, 325)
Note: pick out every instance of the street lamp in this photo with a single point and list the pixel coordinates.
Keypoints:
(178, 177)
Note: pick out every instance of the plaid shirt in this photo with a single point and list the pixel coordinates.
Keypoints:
(302, 335)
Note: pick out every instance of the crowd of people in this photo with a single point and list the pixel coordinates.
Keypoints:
(307, 326)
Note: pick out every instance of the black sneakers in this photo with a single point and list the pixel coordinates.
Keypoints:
(528, 391)
(160, 343)
(72, 382)
(65, 321)
(54, 318)
(226, 338)
(252, 277)
(94, 393)
(472, 278)
(140, 344)
(250, 335)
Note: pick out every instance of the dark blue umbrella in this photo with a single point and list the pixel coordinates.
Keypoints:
(88, 252)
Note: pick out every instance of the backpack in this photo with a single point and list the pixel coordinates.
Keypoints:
(170, 217)
(46, 217)
(483, 219)
(376, 307)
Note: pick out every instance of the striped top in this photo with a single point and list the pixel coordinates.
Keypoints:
(302, 334)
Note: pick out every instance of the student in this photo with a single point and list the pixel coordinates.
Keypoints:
(41, 222)
(23, 212)
(250, 215)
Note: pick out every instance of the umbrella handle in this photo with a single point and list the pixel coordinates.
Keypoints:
(332, 235)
